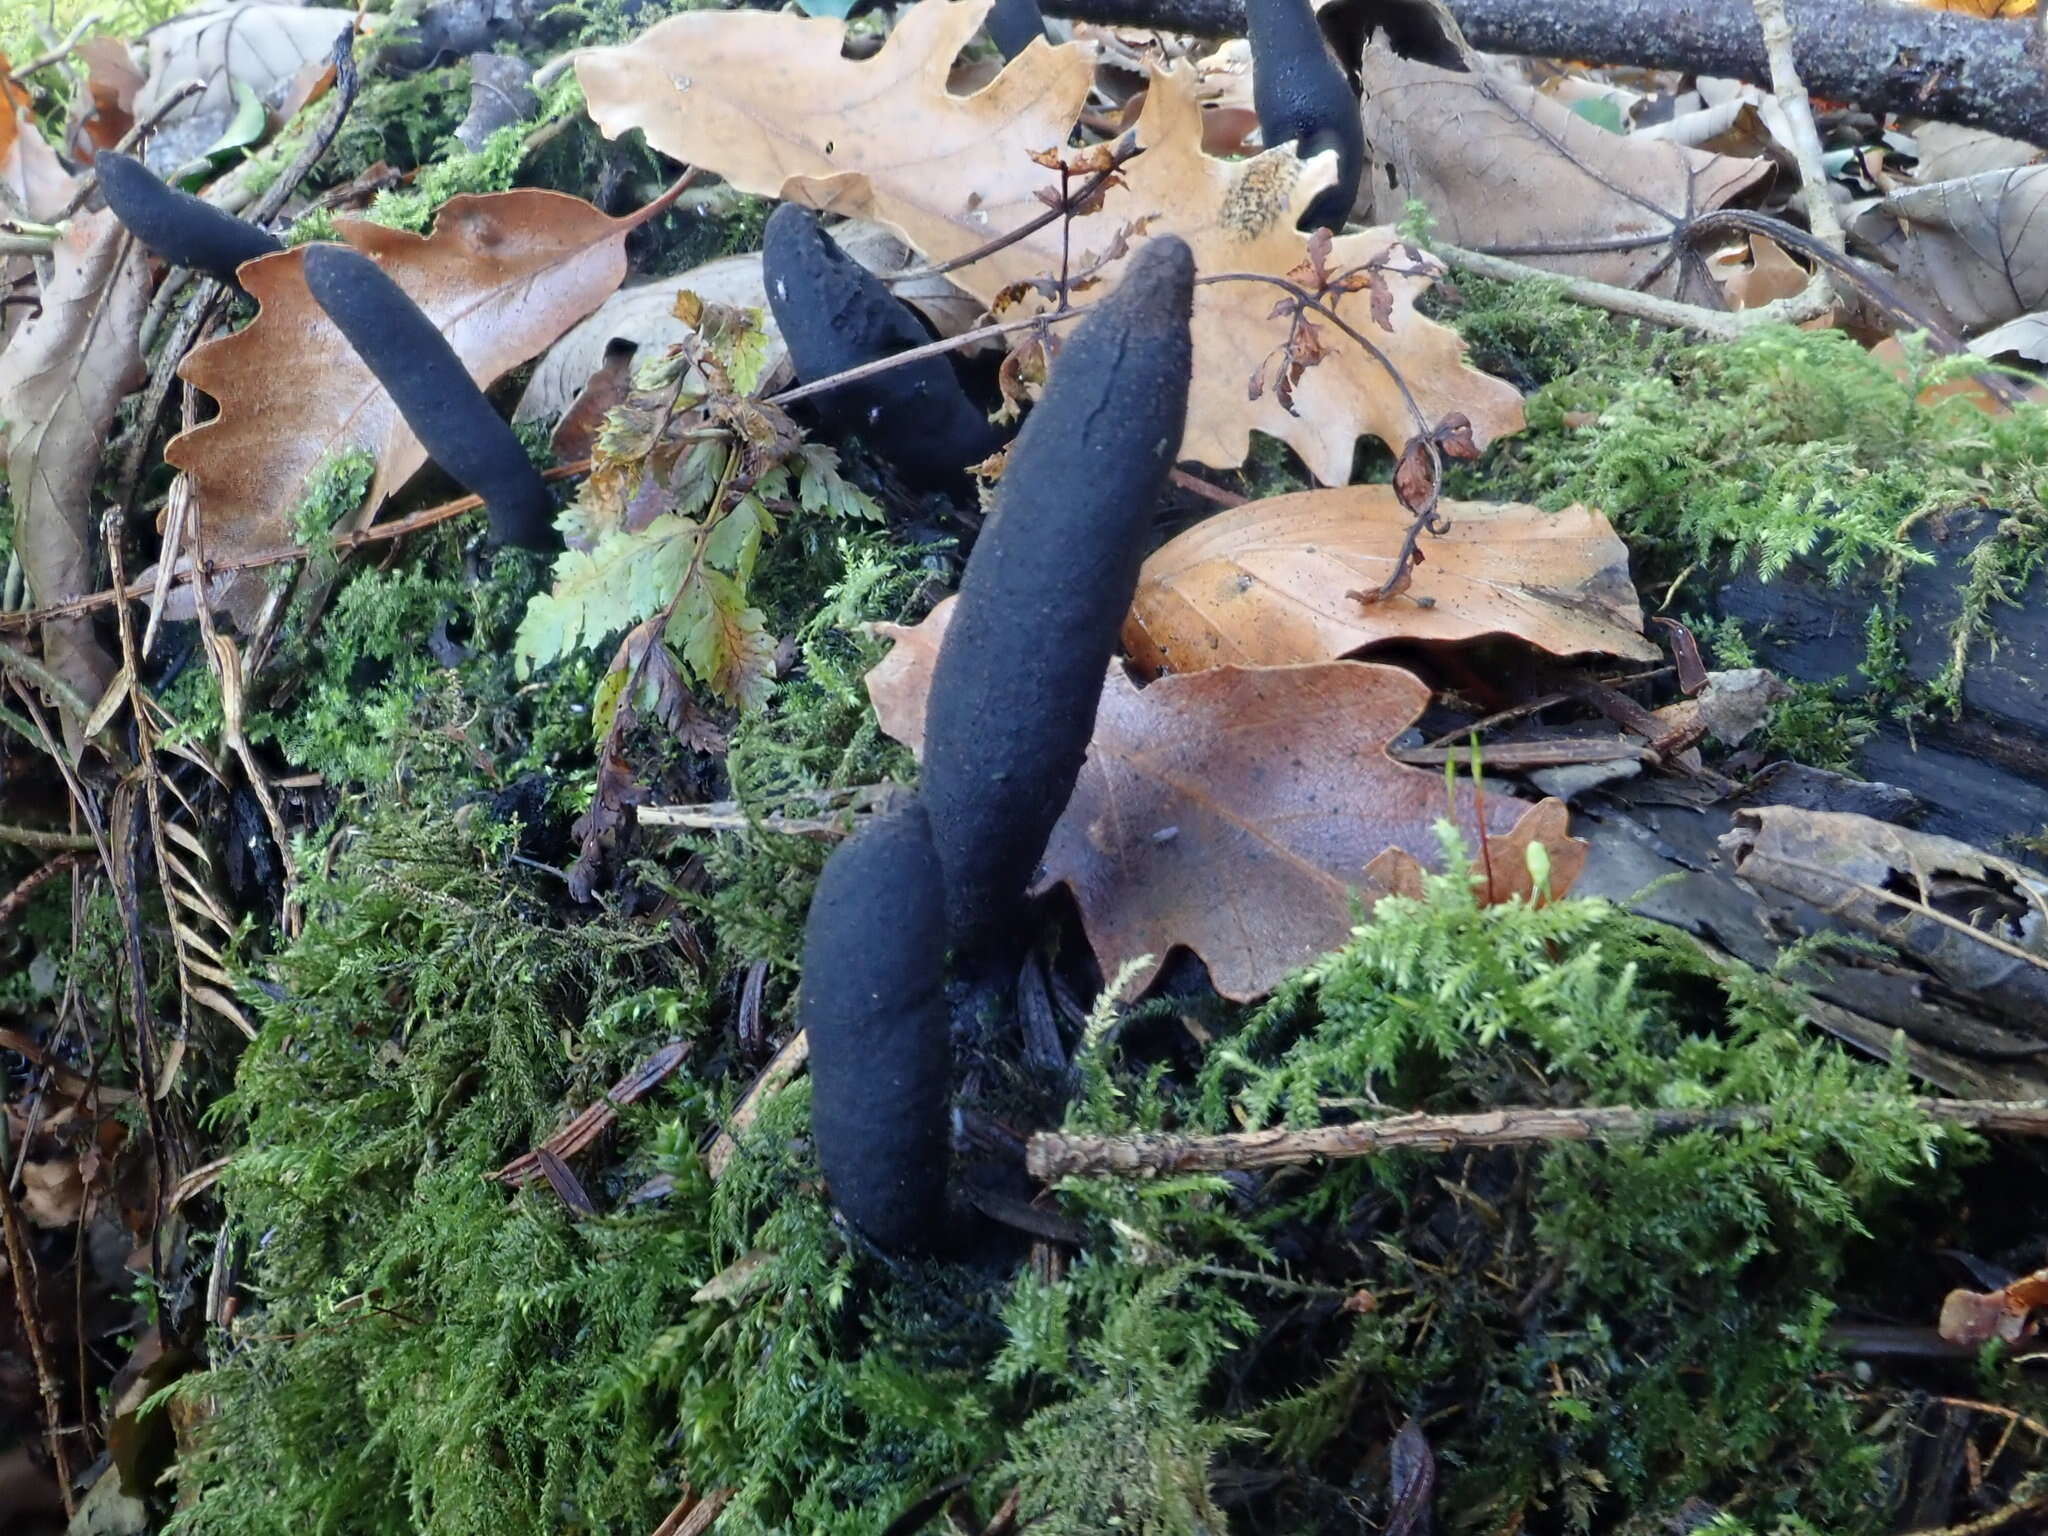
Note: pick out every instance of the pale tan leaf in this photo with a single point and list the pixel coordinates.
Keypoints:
(1501, 164)
(1977, 247)
(643, 314)
(262, 46)
(1270, 583)
(769, 103)
(900, 682)
(61, 377)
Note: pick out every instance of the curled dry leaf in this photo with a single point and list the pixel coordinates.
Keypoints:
(502, 275)
(1503, 165)
(1235, 812)
(1978, 922)
(770, 103)
(1241, 811)
(61, 377)
(1976, 247)
(644, 316)
(260, 46)
(1270, 583)
(1973, 1318)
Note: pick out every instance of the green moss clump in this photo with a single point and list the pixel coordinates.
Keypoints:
(1651, 1328)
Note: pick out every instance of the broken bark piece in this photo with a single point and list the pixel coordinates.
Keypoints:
(1300, 94)
(834, 315)
(177, 226)
(1015, 690)
(433, 392)
(873, 1007)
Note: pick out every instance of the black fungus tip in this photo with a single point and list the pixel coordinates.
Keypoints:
(872, 1005)
(182, 229)
(835, 315)
(434, 392)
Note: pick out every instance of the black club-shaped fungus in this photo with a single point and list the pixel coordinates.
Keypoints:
(1300, 93)
(834, 314)
(873, 1007)
(1015, 25)
(180, 228)
(1044, 594)
(434, 392)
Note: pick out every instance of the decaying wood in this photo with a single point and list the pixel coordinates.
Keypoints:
(1923, 63)
(1052, 1155)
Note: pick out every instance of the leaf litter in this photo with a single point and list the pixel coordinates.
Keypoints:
(1248, 807)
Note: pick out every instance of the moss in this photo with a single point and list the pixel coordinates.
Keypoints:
(1783, 447)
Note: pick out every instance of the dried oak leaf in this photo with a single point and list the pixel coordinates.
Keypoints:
(502, 274)
(1235, 812)
(1502, 165)
(61, 378)
(769, 103)
(1242, 811)
(1270, 583)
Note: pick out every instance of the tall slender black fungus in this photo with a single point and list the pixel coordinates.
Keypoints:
(180, 228)
(1045, 592)
(1015, 25)
(1300, 93)
(873, 1007)
(434, 392)
(834, 314)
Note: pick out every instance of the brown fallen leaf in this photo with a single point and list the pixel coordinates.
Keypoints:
(1758, 273)
(1269, 583)
(770, 103)
(1500, 866)
(1977, 1317)
(1501, 165)
(502, 274)
(30, 171)
(1235, 812)
(900, 682)
(1976, 921)
(1242, 812)
(108, 94)
(61, 378)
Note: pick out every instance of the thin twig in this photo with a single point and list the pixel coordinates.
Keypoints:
(25, 1288)
(1798, 108)
(60, 52)
(1053, 1155)
(1126, 148)
(1672, 314)
(91, 180)
(49, 842)
(27, 666)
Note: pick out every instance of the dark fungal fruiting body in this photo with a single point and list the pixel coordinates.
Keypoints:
(1044, 594)
(180, 228)
(1015, 25)
(1300, 94)
(434, 392)
(834, 314)
(873, 1007)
